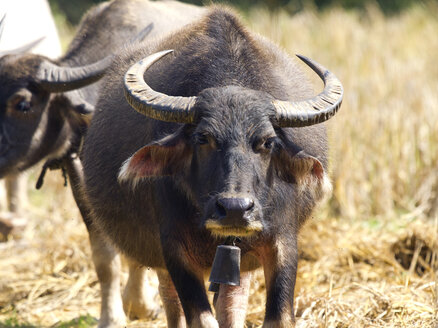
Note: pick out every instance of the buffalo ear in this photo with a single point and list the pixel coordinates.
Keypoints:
(73, 107)
(78, 103)
(300, 168)
(167, 156)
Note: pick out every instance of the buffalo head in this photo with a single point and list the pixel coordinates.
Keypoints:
(233, 149)
(31, 86)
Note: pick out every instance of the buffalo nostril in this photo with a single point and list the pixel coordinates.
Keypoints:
(250, 205)
(221, 210)
(234, 206)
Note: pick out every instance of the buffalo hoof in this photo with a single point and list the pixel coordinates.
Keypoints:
(140, 310)
(117, 320)
(11, 226)
(139, 303)
(206, 320)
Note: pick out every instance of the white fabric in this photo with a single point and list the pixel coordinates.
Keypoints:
(27, 21)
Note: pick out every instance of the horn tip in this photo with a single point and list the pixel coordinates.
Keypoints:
(166, 52)
(305, 59)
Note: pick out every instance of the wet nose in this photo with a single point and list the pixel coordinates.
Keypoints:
(234, 207)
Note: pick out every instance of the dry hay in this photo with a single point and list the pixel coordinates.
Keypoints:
(47, 275)
(349, 275)
(357, 280)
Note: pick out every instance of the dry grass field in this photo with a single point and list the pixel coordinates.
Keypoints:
(368, 256)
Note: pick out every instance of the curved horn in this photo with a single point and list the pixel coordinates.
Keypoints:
(56, 78)
(152, 103)
(314, 110)
(143, 34)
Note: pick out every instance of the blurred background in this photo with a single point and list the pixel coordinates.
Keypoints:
(73, 10)
(369, 254)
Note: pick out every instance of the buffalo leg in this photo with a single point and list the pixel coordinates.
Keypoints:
(16, 193)
(172, 305)
(138, 300)
(280, 267)
(105, 258)
(107, 264)
(12, 222)
(232, 303)
(189, 284)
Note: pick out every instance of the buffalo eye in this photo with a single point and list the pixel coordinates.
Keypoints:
(266, 145)
(23, 106)
(201, 139)
(20, 101)
(269, 143)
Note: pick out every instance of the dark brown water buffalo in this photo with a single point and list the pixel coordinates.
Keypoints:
(223, 143)
(25, 26)
(45, 108)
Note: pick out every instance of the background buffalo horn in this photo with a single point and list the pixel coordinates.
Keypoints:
(142, 34)
(56, 78)
(2, 25)
(314, 110)
(152, 103)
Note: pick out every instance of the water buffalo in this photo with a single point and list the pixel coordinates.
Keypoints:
(223, 142)
(45, 108)
(27, 25)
